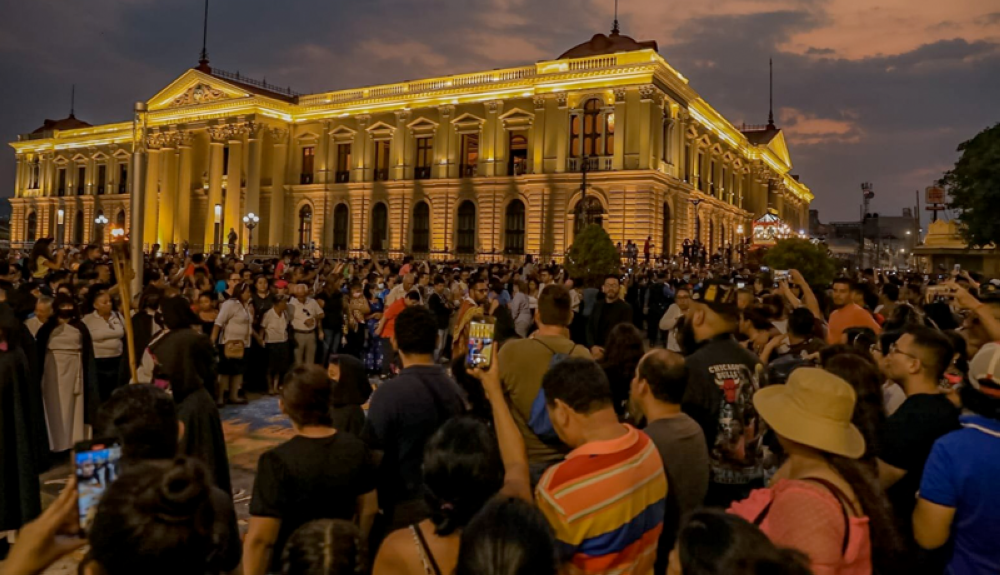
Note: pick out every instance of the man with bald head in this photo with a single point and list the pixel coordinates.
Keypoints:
(656, 393)
(306, 321)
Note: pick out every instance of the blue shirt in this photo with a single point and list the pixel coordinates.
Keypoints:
(962, 473)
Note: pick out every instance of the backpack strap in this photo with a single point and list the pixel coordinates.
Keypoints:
(554, 352)
(843, 500)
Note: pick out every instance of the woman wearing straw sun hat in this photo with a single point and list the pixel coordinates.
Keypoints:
(822, 502)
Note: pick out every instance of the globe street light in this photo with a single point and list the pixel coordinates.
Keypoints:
(250, 221)
(739, 230)
(100, 221)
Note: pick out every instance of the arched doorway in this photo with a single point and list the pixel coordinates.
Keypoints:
(78, 228)
(380, 227)
(588, 210)
(421, 228)
(466, 240)
(120, 219)
(513, 233)
(665, 246)
(32, 231)
(340, 218)
(305, 226)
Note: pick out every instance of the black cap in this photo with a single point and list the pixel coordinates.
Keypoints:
(719, 296)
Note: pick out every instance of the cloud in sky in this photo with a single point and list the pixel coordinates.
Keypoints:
(866, 90)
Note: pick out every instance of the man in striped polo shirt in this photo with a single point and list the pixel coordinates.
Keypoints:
(605, 502)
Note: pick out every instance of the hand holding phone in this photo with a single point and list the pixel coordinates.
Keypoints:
(96, 464)
(481, 343)
(43, 541)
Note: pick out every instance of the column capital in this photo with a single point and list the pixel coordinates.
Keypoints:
(279, 135)
(562, 98)
(494, 106)
(539, 102)
(219, 134)
(648, 93)
(402, 115)
(254, 130)
(620, 94)
(446, 110)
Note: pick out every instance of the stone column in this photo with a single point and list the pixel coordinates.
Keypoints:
(152, 216)
(234, 189)
(216, 152)
(491, 136)
(255, 135)
(279, 158)
(360, 149)
(168, 197)
(538, 145)
(182, 223)
(618, 162)
(20, 179)
(443, 140)
(398, 151)
(560, 127)
(647, 97)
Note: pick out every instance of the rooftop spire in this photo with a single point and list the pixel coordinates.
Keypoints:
(614, 29)
(770, 105)
(72, 102)
(203, 59)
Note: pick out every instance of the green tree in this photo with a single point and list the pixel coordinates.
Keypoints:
(592, 255)
(812, 260)
(974, 187)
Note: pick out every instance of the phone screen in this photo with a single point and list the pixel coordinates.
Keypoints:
(96, 464)
(780, 275)
(480, 345)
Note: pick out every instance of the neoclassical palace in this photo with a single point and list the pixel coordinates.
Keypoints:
(489, 163)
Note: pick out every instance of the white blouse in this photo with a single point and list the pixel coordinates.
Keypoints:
(235, 321)
(275, 327)
(107, 334)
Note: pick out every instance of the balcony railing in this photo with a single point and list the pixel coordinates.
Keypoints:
(594, 164)
(305, 179)
(422, 173)
(287, 91)
(342, 176)
(468, 170)
(382, 174)
(519, 168)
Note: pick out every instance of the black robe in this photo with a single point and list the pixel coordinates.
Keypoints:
(23, 444)
(186, 358)
(350, 392)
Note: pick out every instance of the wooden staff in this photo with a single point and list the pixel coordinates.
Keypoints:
(119, 259)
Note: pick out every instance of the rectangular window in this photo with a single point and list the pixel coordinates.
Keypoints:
(711, 177)
(425, 156)
(574, 136)
(61, 179)
(102, 179)
(470, 155)
(343, 163)
(381, 160)
(308, 165)
(81, 180)
(122, 178)
(33, 180)
(699, 170)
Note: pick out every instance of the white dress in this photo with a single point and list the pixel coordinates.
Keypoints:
(62, 388)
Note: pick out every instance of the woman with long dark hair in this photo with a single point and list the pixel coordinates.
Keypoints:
(41, 261)
(325, 547)
(869, 411)
(509, 536)
(622, 353)
(823, 502)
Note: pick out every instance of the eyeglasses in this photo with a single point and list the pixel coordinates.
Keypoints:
(895, 349)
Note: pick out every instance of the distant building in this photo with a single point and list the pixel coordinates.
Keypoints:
(889, 241)
(487, 163)
(943, 248)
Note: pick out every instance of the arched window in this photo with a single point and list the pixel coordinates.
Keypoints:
(305, 225)
(340, 227)
(588, 211)
(421, 228)
(78, 228)
(513, 235)
(380, 227)
(120, 219)
(665, 246)
(32, 232)
(466, 228)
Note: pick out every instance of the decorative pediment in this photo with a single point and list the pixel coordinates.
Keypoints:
(61, 160)
(517, 118)
(422, 127)
(100, 156)
(780, 148)
(380, 130)
(342, 133)
(306, 136)
(468, 123)
(79, 158)
(121, 154)
(195, 87)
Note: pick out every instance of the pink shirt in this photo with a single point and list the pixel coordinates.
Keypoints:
(805, 516)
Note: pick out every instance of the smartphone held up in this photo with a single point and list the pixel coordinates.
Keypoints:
(481, 342)
(96, 464)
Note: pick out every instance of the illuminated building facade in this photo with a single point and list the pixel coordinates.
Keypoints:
(486, 164)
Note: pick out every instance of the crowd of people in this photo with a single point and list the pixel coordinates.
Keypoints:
(677, 416)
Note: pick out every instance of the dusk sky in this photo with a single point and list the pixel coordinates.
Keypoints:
(866, 90)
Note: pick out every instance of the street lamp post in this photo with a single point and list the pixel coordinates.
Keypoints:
(250, 221)
(582, 208)
(739, 230)
(100, 221)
